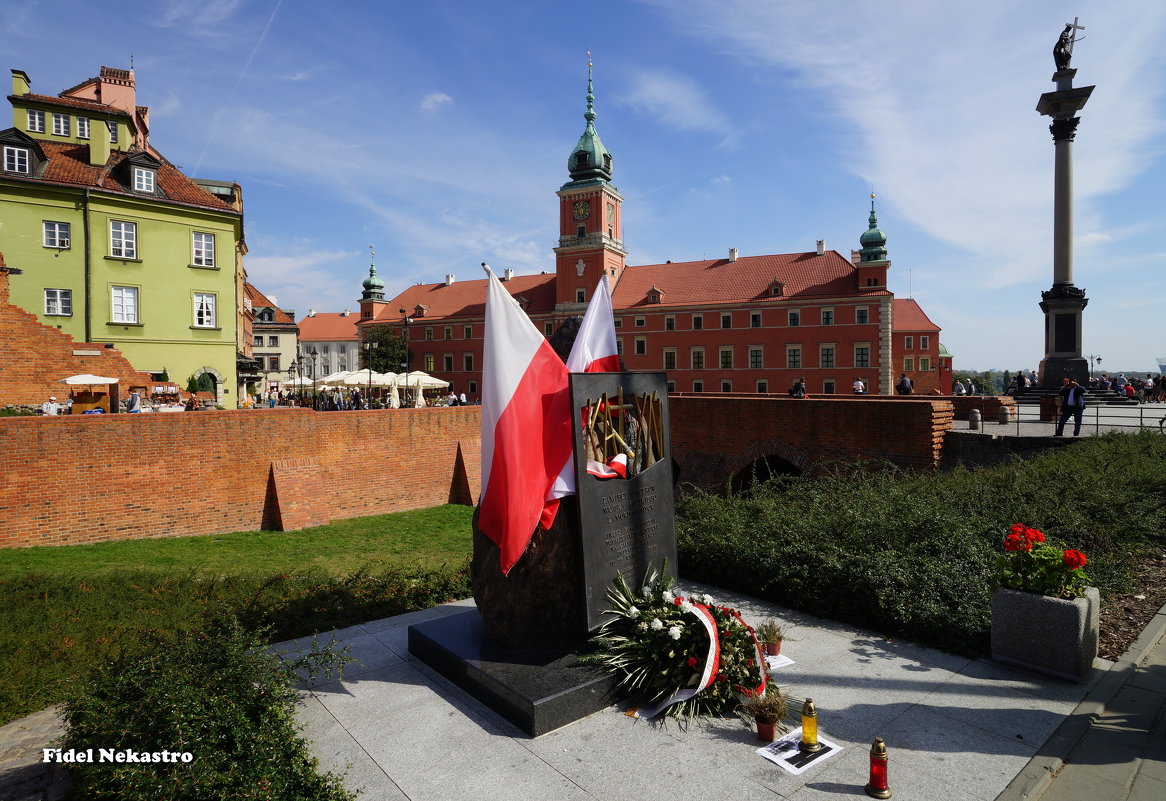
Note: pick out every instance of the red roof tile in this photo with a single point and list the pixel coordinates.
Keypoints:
(71, 102)
(909, 317)
(468, 298)
(331, 326)
(259, 300)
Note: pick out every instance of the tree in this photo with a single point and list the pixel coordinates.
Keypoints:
(389, 353)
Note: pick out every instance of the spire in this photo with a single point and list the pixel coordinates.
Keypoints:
(589, 162)
(374, 288)
(873, 241)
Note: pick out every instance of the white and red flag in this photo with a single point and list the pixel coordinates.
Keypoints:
(526, 424)
(594, 351)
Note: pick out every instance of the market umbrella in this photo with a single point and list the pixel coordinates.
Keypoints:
(87, 379)
(362, 378)
(394, 398)
(335, 379)
(415, 378)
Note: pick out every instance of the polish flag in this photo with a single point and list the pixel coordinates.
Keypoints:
(594, 351)
(526, 425)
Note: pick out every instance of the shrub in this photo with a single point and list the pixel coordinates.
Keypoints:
(213, 693)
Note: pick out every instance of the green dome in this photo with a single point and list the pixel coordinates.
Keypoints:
(374, 288)
(873, 241)
(589, 161)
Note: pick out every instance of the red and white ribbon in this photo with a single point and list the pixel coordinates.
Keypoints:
(708, 674)
(616, 468)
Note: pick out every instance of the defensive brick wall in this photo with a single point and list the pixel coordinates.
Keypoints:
(92, 478)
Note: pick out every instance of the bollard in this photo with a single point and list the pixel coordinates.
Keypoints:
(974, 420)
(1005, 416)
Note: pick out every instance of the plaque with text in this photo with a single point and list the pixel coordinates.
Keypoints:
(623, 472)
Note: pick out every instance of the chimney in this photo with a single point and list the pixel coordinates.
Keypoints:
(855, 256)
(20, 83)
(311, 312)
(732, 254)
(346, 312)
(449, 280)
(821, 247)
(507, 274)
(274, 300)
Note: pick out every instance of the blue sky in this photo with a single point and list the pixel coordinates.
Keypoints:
(439, 131)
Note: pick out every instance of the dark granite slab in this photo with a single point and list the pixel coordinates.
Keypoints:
(537, 691)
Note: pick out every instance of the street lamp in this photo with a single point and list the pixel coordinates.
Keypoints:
(1093, 358)
(408, 320)
(291, 370)
(315, 354)
(369, 348)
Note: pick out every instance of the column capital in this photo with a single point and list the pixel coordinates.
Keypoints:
(1064, 129)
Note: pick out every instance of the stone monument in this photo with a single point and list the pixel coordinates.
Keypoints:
(1064, 303)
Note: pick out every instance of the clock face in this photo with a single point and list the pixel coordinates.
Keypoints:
(582, 210)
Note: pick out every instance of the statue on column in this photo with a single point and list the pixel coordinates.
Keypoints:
(1063, 49)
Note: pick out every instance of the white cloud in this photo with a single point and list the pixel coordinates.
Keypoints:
(720, 179)
(304, 278)
(435, 100)
(678, 102)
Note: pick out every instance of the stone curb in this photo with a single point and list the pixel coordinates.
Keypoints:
(1032, 781)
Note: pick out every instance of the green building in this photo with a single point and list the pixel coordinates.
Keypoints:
(116, 245)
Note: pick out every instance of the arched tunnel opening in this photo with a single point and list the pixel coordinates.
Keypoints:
(761, 471)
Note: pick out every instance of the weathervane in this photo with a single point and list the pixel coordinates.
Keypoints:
(1063, 49)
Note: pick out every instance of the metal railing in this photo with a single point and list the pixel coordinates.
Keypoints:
(1026, 419)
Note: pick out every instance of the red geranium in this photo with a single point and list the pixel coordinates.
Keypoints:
(1074, 559)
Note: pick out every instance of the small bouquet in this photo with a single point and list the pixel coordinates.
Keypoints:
(1030, 564)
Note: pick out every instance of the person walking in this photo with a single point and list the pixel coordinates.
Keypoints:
(1072, 404)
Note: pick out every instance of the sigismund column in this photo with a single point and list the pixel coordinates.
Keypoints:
(1064, 303)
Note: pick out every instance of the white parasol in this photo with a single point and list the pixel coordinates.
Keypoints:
(394, 398)
(87, 379)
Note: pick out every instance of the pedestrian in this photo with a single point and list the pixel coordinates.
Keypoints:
(959, 388)
(859, 387)
(1072, 404)
(134, 404)
(904, 386)
(461, 400)
(51, 408)
(798, 390)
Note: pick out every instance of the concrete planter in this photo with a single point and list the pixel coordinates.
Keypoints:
(1048, 635)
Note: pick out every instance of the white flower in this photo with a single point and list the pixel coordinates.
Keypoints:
(633, 612)
(686, 606)
(656, 624)
(674, 632)
(668, 596)
(706, 599)
(647, 593)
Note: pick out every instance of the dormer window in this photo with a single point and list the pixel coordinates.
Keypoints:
(776, 288)
(144, 180)
(580, 158)
(654, 296)
(267, 316)
(607, 161)
(16, 159)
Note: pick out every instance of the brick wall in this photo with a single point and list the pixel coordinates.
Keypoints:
(91, 478)
(35, 357)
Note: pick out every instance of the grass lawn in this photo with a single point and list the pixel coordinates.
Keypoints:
(429, 537)
(70, 608)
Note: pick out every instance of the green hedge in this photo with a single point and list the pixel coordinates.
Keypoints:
(912, 554)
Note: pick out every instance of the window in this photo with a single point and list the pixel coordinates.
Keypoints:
(698, 386)
(428, 334)
(549, 329)
(59, 302)
(670, 359)
(112, 126)
(473, 387)
(793, 356)
(273, 363)
(60, 124)
(828, 387)
(827, 317)
(448, 332)
(795, 318)
(641, 346)
(641, 322)
(273, 342)
(125, 304)
(861, 316)
(468, 362)
(924, 342)
(123, 239)
(697, 322)
(669, 323)
(726, 321)
(697, 358)
(430, 361)
(36, 121)
(755, 320)
(755, 358)
(143, 180)
(82, 127)
(580, 231)
(862, 355)
(653, 297)
(204, 250)
(762, 387)
(56, 235)
(924, 363)
(908, 364)
(468, 332)
(257, 340)
(671, 385)
(619, 346)
(726, 358)
(619, 322)
(726, 386)
(15, 159)
(908, 342)
(447, 362)
(325, 349)
(580, 296)
(825, 355)
(204, 310)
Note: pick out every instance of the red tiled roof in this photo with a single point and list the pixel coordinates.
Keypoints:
(68, 163)
(747, 279)
(332, 326)
(468, 298)
(71, 102)
(909, 317)
(259, 300)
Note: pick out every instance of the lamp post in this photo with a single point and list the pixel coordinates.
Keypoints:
(291, 371)
(408, 320)
(1093, 357)
(315, 354)
(369, 349)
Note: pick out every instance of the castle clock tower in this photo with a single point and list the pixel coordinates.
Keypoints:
(590, 221)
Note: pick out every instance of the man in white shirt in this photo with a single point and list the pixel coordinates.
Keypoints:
(50, 407)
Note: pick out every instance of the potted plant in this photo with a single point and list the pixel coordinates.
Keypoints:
(767, 710)
(770, 635)
(1044, 613)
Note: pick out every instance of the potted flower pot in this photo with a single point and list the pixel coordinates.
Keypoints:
(1049, 635)
(772, 648)
(766, 732)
